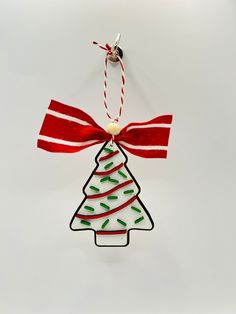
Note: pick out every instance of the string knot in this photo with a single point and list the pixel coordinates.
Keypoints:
(107, 47)
(109, 50)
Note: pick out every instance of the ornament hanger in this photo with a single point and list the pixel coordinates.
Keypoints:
(116, 50)
(111, 207)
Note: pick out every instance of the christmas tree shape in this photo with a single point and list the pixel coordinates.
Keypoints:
(111, 207)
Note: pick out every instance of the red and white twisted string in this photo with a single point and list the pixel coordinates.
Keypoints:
(108, 48)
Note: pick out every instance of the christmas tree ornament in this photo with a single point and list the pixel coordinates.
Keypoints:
(111, 207)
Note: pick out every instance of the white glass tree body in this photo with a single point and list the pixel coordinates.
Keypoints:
(111, 207)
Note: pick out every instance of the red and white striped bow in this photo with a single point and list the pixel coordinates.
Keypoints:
(67, 129)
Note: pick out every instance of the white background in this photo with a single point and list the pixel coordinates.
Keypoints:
(180, 59)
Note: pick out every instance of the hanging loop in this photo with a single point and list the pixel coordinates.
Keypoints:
(111, 55)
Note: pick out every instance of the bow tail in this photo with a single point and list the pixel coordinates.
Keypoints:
(67, 129)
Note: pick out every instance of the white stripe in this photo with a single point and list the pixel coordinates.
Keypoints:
(156, 125)
(142, 147)
(59, 141)
(65, 116)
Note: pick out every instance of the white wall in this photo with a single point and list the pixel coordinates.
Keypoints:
(180, 59)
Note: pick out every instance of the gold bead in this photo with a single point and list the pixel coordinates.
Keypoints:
(113, 128)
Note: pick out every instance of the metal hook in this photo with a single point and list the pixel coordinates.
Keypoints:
(116, 50)
(117, 41)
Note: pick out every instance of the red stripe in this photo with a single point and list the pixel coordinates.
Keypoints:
(146, 153)
(111, 232)
(61, 148)
(109, 155)
(151, 136)
(111, 190)
(107, 213)
(102, 173)
(72, 111)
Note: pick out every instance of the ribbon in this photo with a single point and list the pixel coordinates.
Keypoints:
(67, 129)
